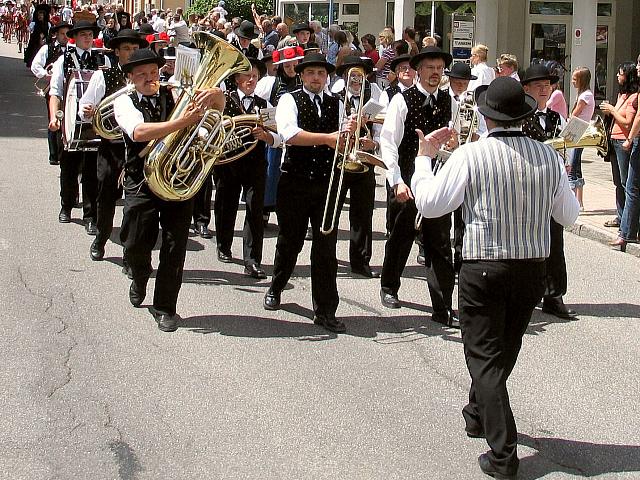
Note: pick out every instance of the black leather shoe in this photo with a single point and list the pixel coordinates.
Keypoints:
(488, 469)
(96, 251)
(474, 433)
(420, 259)
(137, 292)
(271, 300)
(448, 318)
(90, 227)
(64, 216)
(365, 271)
(309, 236)
(225, 257)
(166, 323)
(203, 231)
(555, 306)
(389, 300)
(330, 322)
(53, 161)
(126, 269)
(254, 270)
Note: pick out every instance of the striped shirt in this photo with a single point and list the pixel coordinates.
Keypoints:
(509, 186)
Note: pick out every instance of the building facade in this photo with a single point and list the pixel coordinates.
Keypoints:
(591, 33)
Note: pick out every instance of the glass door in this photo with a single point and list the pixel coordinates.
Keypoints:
(548, 43)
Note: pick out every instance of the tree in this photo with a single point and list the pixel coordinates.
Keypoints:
(236, 8)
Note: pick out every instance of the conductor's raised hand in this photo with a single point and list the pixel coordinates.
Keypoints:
(430, 145)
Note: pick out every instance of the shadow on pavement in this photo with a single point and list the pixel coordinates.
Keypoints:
(582, 458)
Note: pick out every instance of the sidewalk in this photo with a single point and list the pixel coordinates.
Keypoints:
(599, 202)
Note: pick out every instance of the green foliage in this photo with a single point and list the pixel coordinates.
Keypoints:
(236, 8)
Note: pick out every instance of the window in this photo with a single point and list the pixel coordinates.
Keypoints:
(389, 16)
(604, 9)
(297, 12)
(350, 9)
(551, 8)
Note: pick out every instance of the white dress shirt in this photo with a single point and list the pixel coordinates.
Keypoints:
(127, 115)
(485, 75)
(57, 74)
(508, 187)
(39, 63)
(393, 131)
(287, 115)
(160, 25)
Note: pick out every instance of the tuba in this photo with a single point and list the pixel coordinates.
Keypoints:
(594, 137)
(177, 165)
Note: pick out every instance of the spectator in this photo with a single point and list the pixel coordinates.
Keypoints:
(321, 37)
(368, 43)
(333, 47)
(344, 47)
(507, 66)
(623, 114)
(484, 73)
(556, 101)
(409, 36)
(429, 42)
(271, 38)
(109, 31)
(178, 30)
(388, 54)
(160, 25)
(583, 109)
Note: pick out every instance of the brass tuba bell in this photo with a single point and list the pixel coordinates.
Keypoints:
(594, 137)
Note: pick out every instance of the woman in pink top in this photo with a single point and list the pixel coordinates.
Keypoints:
(556, 101)
(623, 113)
(583, 109)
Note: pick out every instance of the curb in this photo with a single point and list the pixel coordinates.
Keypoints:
(592, 233)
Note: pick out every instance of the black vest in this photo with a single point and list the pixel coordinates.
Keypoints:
(134, 164)
(114, 80)
(392, 90)
(531, 126)
(69, 65)
(282, 85)
(426, 119)
(234, 107)
(252, 50)
(54, 50)
(315, 161)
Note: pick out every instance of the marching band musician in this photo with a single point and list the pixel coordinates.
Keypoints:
(428, 108)
(543, 125)
(308, 120)
(405, 76)
(495, 180)
(41, 68)
(361, 186)
(142, 115)
(110, 152)
(77, 57)
(245, 174)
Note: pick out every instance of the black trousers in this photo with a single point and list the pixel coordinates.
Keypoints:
(71, 165)
(301, 201)
(202, 204)
(496, 301)
(110, 163)
(54, 139)
(362, 192)
(248, 173)
(556, 278)
(143, 211)
(438, 257)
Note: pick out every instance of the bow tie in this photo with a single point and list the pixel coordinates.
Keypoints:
(541, 114)
(151, 97)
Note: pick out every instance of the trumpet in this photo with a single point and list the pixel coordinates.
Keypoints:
(347, 158)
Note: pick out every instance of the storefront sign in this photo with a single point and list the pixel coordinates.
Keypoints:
(462, 32)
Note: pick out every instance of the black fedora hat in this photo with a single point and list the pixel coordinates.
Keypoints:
(300, 27)
(460, 70)
(83, 25)
(168, 53)
(127, 35)
(55, 28)
(41, 7)
(246, 30)
(146, 29)
(430, 52)
(504, 100)
(538, 72)
(314, 60)
(353, 61)
(259, 64)
(142, 56)
(398, 60)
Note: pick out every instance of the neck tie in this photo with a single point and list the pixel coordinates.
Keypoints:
(457, 98)
(354, 101)
(84, 58)
(247, 103)
(429, 101)
(318, 101)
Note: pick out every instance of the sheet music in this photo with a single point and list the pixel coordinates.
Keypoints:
(268, 116)
(187, 61)
(371, 109)
(574, 129)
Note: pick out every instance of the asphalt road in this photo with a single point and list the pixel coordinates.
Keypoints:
(93, 390)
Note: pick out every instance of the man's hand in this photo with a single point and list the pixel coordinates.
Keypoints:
(210, 98)
(88, 111)
(367, 144)
(430, 145)
(192, 114)
(402, 192)
(350, 125)
(54, 125)
(260, 133)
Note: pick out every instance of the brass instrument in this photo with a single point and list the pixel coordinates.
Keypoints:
(348, 158)
(235, 139)
(177, 165)
(594, 137)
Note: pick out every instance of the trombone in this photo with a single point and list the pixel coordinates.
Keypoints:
(348, 157)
